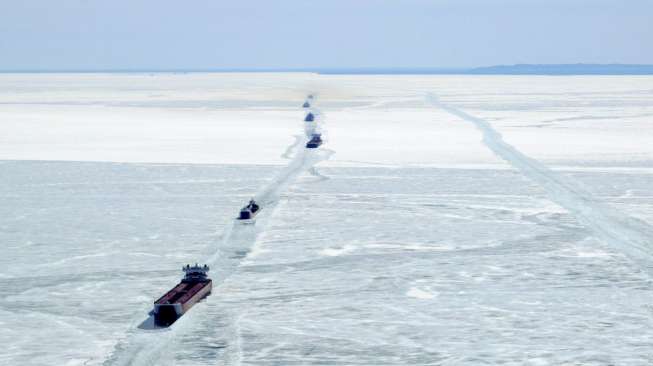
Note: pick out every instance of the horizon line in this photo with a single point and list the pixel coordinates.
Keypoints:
(513, 69)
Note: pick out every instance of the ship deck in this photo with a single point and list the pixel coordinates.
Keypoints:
(181, 293)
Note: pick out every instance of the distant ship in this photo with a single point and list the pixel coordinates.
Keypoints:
(193, 287)
(306, 105)
(315, 141)
(309, 117)
(248, 212)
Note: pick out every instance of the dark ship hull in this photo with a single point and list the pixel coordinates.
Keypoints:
(247, 215)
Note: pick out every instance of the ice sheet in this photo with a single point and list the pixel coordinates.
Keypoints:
(406, 239)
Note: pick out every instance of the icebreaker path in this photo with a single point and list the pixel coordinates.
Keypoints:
(148, 347)
(625, 234)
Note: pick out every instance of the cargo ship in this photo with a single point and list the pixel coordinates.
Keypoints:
(248, 212)
(315, 141)
(193, 287)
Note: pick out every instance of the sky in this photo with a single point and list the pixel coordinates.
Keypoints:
(278, 34)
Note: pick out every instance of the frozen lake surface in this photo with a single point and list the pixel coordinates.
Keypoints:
(447, 220)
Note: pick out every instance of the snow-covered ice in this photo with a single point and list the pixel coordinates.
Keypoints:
(447, 220)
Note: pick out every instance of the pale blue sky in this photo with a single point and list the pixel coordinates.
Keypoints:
(214, 34)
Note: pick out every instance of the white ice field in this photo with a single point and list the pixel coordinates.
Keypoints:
(446, 220)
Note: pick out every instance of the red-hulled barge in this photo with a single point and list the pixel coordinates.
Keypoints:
(193, 287)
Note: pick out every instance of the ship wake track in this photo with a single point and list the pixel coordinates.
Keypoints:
(625, 234)
(147, 345)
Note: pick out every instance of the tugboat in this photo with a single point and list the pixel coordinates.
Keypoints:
(193, 287)
(248, 212)
(309, 117)
(315, 141)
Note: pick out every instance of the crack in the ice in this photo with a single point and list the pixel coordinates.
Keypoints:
(298, 141)
(626, 234)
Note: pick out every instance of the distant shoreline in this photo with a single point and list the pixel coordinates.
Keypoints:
(521, 69)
